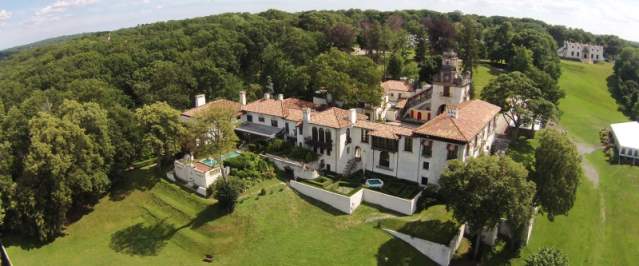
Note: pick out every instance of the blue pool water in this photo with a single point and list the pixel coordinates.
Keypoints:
(213, 162)
(374, 182)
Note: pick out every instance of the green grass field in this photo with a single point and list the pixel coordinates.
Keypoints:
(483, 74)
(154, 222)
(602, 228)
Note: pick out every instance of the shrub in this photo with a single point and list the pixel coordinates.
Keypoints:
(547, 257)
(262, 192)
(226, 192)
(282, 148)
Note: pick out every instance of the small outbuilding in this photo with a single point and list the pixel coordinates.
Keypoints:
(626, 141)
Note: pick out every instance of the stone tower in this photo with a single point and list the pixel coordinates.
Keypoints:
(451, 86)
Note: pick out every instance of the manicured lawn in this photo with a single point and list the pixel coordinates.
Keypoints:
(436, 225)
(154, 222)
(588, 106)
(601, 229)
(483, 74)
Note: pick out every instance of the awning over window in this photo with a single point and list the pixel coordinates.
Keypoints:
(259, 130)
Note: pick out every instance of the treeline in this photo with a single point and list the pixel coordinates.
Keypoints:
(624, 83)
(75, 114)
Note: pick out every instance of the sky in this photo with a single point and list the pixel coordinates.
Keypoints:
(26, 21)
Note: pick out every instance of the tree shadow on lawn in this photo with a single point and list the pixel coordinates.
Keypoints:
(143, 240)
(210, 213)
(148, 240)
(138, 179)
(397, 252)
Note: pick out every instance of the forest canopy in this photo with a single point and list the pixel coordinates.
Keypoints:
(75, 112)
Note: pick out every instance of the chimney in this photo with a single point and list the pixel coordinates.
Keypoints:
(352, 115)
(280, 97)
(200, 100)
(267, 96)
(306, 114)
(453, 112)
(242, 98)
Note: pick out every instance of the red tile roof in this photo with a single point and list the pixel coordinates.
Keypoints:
(200, 167)
(397, 85)
(219, 103)
(290, 108)
(384, 130)
(333, 117)
(472, 117)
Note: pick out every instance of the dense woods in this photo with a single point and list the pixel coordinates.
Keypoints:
(76, 113)
(624, 84)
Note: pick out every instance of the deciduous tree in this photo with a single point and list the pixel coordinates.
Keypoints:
(485, 190)
(557, 171)
(161, 129)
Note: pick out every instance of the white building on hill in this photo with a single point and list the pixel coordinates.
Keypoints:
(582, 51)
(455, 128)
(626, 138)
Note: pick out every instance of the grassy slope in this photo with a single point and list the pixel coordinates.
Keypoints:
(588, 106)
(483, 74)
(601, 229)
(163, 225)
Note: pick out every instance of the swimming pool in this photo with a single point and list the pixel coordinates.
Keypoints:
(374, 182)
(213, 162)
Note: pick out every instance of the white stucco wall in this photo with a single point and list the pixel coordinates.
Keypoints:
(404, 206)
(575, 50)
(457, 96)
(342, 203)
(438, 253)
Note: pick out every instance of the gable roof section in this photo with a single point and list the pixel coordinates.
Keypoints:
(333, 117)
(289, 108)
(384, 130)
(219, 103)
(396, 85)
(472, 117)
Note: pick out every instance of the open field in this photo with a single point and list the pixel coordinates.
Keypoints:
(601, 229)
(154, 222)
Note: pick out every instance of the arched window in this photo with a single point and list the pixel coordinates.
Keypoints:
(348, 136)
(419, 116)
(384, 159)
(314, 134)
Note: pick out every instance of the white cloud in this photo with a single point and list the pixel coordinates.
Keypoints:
(62, 5)
(4, 15)
(52, 11)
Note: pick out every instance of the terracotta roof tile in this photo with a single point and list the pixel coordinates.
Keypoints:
(200, 167)
(396, 85)
(384, 130)
(333, 117)
(280, 108)
(472, 117)
(220, 103)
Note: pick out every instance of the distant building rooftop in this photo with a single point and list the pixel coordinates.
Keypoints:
(626, 134)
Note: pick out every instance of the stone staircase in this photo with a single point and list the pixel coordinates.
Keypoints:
(350, 166)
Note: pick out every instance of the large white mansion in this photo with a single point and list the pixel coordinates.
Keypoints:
(427, 127)
(581, 51)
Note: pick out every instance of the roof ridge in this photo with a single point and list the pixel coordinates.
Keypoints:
(458, 129)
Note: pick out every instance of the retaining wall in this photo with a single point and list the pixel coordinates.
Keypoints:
(401, 205)
(343, 203)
